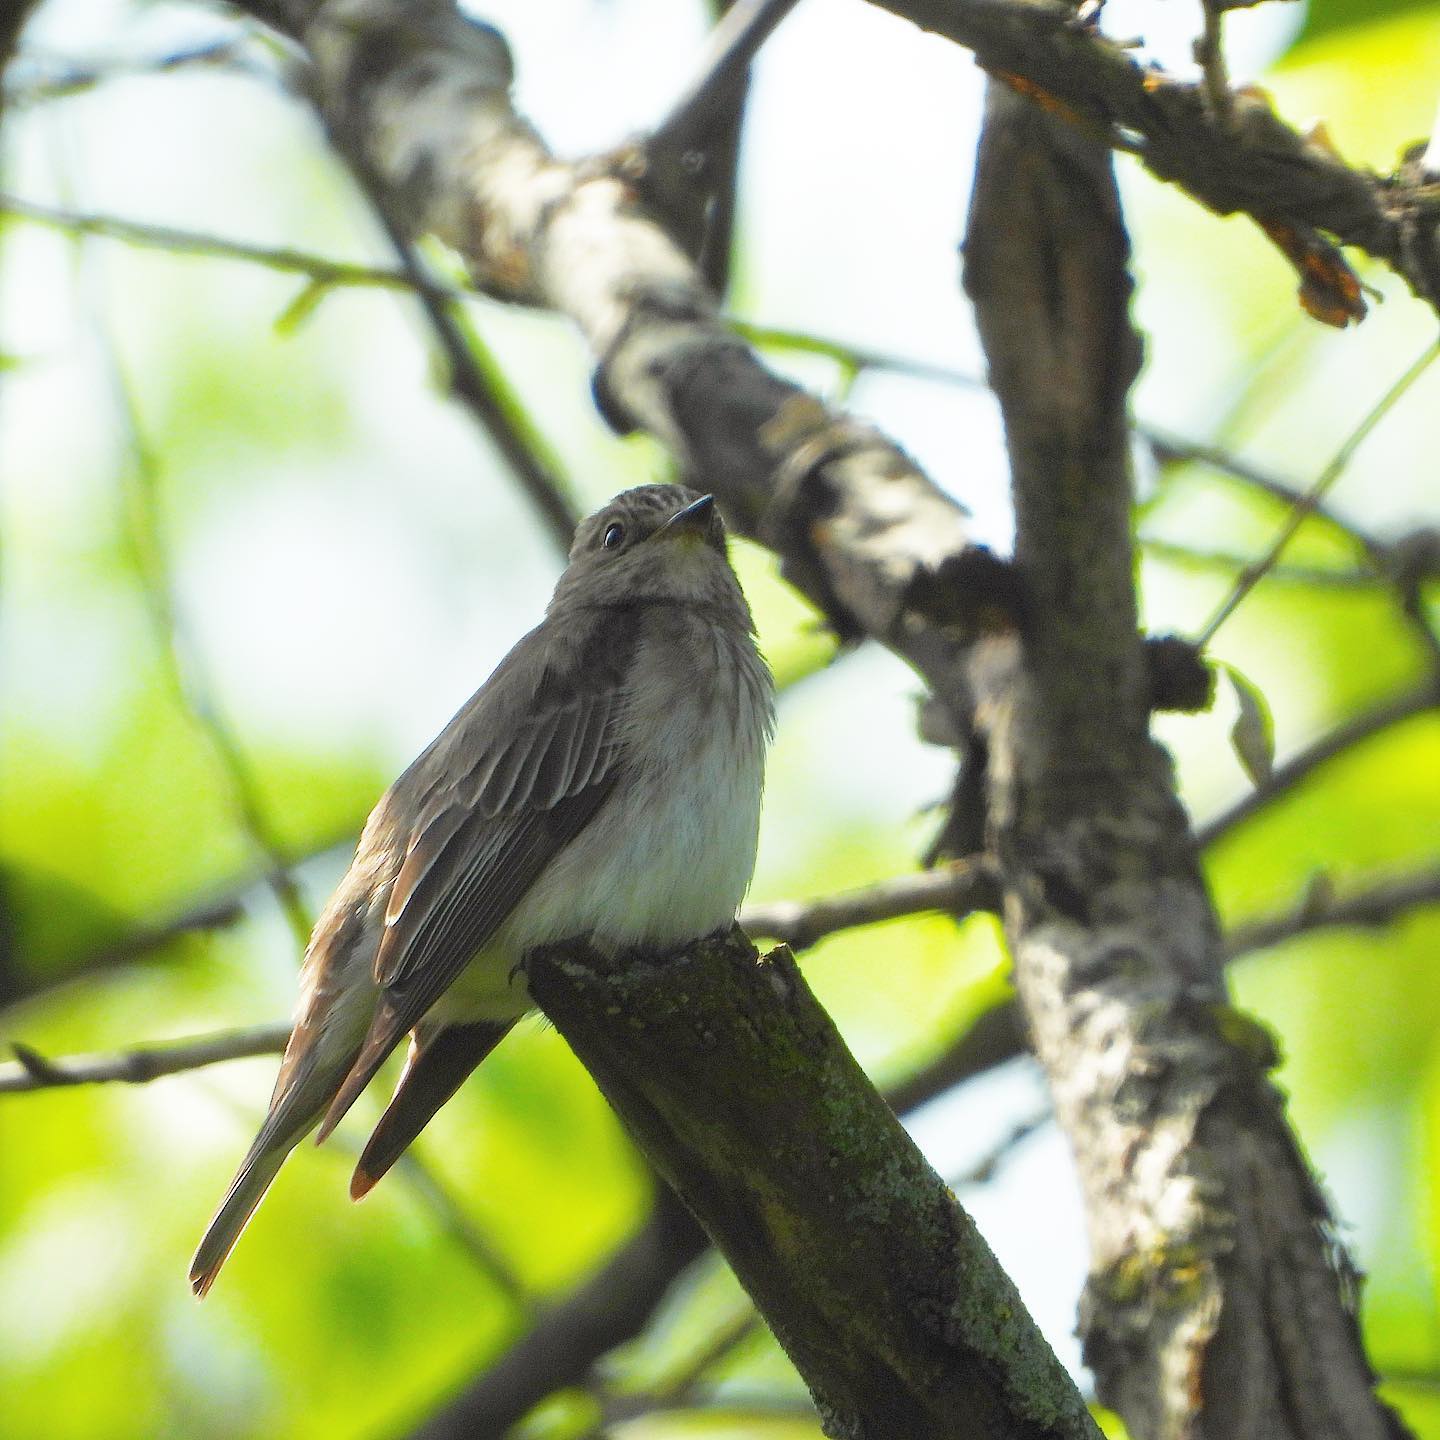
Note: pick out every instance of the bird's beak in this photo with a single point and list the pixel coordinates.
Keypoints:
(693, 520)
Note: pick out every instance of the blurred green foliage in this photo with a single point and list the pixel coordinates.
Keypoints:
(351, 560)
(1322, 16)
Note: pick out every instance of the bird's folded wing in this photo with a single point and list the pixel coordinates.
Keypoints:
(509, 783)
(486, 840)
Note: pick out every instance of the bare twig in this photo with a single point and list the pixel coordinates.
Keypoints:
(1286, 777)
(1327, 576)
(953, 888)
(58, 80)
(958, 889)
(478, 383)
(180, 659)
(607, 1310)
(1304, 507)
(437, 1196)
(1210, 56)
(1168, 449)
(682, 1389)
(140, 1065)
(1378, 905)
(321, 270)
(475, 380)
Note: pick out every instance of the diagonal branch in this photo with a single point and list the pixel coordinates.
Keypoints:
(1245, 161)
(180, 658)
(423, 96)
(859, 1258)
(478, 383)
(734, 43)
(1305, 505)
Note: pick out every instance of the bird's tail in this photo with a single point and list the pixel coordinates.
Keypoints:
(316, 1060)
(440, 1060)
(247, 1189)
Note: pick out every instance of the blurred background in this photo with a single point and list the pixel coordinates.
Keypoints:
(252, 558)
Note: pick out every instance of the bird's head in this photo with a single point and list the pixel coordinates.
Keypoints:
(657, 542)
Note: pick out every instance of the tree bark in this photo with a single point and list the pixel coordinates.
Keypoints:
(740, 1091)
(1219, 1303)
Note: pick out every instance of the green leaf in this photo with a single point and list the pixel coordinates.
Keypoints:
(1252, 736)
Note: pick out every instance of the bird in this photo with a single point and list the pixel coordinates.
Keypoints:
(603, 784)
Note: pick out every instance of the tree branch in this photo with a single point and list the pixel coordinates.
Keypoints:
(734, 43)
(1421, 700)
(1248, 161)
(1305, 505)
(478, 383)
(140, 1065)
(321, 270)
(735, 1084)
(179, 656)
(561, 1349)
(1218, 1304)
(423, 96)
(957, 889)
(1372, 907)
(613, 1308)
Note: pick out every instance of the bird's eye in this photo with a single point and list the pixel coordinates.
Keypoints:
(613, 536)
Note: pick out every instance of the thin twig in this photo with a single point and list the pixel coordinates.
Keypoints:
(954, 889)
(142, 1064)
(475, 380)
(1286, 777)
(434, 1193)
(1305, 505)
(319, 269)
(1170, 449)
(478, 383)
(957, 889)
(1210, 56)
(179, 658)
(734, 42)
(1374, 907)
(60, 80)
(1175, 554)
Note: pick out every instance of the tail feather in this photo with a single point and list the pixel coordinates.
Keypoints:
(246, 1191)
(436, 1069)
(385, 1033)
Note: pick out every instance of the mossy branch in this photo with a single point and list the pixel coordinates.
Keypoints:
(737, 1086)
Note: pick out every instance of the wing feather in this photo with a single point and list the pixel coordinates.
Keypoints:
(514, 778)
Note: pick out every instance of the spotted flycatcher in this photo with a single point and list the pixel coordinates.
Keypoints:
(603, 783)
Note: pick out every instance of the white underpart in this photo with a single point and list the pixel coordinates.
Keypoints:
(669, 857)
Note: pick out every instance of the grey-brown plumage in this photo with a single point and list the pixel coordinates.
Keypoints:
(603, 782)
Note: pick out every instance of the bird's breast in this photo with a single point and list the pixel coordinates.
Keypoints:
(669, 856)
